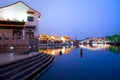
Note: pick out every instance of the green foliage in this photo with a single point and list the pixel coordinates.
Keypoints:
(115, 49)
(114, 38)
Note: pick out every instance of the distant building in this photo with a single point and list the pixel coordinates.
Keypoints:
(43, 39)
(54, 39)
(65, 39)
(18, 19)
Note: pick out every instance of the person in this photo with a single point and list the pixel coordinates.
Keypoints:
(60, 52)
(81, 54)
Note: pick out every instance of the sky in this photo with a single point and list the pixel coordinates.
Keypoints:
(78, 19)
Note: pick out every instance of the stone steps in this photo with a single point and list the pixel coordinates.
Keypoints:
(7, 67)
(29, 68)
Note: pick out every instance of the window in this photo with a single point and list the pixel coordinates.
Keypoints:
(38, 17)
(30, 12)
(17, 32)
(30, 18)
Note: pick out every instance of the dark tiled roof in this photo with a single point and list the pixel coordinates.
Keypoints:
(22, 3)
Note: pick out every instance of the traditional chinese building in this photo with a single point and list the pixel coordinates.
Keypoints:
(19, 20)
(54, 40)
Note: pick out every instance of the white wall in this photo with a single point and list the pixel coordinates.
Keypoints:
(18, 12)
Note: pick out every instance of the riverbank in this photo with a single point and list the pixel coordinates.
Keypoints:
(28, 66)
(114, 43)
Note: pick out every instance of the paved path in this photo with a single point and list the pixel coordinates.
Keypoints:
(10, 57)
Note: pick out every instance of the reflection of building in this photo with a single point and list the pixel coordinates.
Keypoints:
(95, 46)
(100, 40)
(56, 50)
(18, 19)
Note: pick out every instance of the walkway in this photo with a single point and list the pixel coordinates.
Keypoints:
(11, 57)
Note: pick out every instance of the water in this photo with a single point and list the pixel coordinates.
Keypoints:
(96, 62)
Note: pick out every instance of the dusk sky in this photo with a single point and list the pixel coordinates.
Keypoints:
(76, 18)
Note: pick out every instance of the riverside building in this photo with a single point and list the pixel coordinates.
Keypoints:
(18, 22)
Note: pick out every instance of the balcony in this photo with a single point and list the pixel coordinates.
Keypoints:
(14, 40)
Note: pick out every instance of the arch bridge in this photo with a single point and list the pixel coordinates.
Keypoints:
(94, 40)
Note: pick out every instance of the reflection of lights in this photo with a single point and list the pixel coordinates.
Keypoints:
(72, 46)
(87, 41)
(96, 46)
(56, 51)
(11, 56)
(63, 50)
(63, 39)
(81, 42)
(53, 53)
(34, 46)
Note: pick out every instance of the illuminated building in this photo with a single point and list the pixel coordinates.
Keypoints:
(95, 46)
(54, 39)
(19, 19)
(56, 50)
(43, 39)
(46, 39)
(65, 39)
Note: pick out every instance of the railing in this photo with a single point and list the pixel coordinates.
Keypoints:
(14, 40)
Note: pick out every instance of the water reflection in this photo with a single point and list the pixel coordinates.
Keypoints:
(83, 64)
(56, 50)
(60, 53)
(95, 46)
(113, 48)
(81, 53)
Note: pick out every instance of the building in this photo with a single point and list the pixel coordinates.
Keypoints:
(43, 39)
(49, 40)
(65, 39)
(54, 40)
(18, 19)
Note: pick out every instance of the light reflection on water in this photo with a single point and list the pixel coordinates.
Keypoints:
(55, 50)
(94, 62)
(95, 46)
(86, 62)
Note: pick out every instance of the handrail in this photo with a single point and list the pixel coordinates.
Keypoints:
(14, 40)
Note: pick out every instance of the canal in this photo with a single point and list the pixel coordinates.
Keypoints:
(86, 62)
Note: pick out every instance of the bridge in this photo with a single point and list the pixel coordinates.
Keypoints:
(99, 40)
